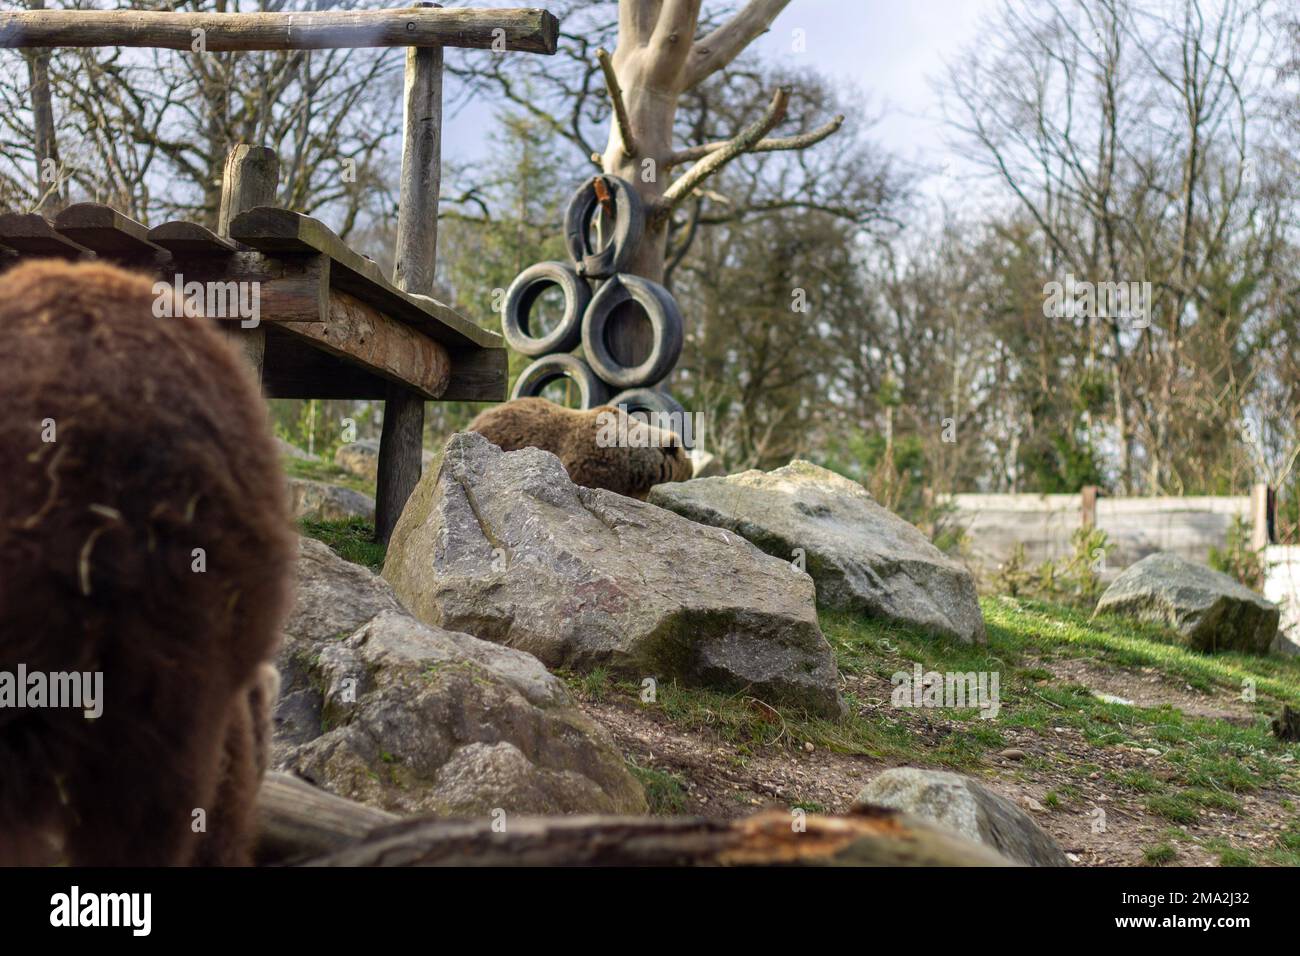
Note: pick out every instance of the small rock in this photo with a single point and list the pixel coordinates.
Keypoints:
(1012, 753)
(966, 806)
(320, 501)
(1112, 699)
(808, 746)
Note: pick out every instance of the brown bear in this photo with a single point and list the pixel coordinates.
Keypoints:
(631, 464)
(145, 538)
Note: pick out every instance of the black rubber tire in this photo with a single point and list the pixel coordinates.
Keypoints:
(665, 319)
(648, 400)
(522, 295)
(629, 223)
(548, 368)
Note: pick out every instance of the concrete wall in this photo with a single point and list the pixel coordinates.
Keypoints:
(996, 524)
(1282, 586)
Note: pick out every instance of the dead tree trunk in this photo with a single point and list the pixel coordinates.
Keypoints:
(874, 837)
(658, 59)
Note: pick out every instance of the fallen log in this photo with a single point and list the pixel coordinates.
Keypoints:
(873, 836)
(297, 821)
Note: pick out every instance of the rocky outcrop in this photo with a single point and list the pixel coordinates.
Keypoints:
(320, 501)
(862, 557)
(964, 806)
(383, 709)
(504, 546)
(1211, 611)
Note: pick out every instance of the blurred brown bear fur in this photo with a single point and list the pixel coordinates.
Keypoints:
(161, 447)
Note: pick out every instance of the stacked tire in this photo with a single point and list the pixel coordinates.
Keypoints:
(595, 286)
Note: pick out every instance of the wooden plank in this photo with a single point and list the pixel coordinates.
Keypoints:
(108, 232)
(281, 232)
(182, 238)
(32, 235)
(288, 290)
(526, 30)
(361, 334)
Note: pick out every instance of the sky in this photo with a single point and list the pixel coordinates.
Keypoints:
(889, 50)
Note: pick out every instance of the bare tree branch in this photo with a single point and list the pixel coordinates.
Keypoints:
(740, 143)
(616, 98)
(774, 144)
(715, 50)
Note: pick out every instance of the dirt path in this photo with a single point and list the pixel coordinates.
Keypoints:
(1070, 786)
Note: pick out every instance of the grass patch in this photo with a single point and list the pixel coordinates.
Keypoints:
(664, 791)
(1159, 854)
(1205, 764)
(327, 472)
(351, 539)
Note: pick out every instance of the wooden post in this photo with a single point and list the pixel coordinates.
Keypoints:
(1261, 516)
(402, 441)
(251, 177)
(1088, 506)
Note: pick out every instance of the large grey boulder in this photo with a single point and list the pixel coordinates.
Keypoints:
(862, 557)
(1211, 610)
(321, 501)
(965, 806)
(383, 709)
(504, 546)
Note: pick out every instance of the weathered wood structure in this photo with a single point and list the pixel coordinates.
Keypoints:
(331, 324)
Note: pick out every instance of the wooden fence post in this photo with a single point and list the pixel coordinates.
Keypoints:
(1088, 506)
(402, 442)
(251, 177)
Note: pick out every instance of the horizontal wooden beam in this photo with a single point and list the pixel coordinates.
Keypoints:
(279, 232)
(288, 290)
(366, 337)
(478, 375)
(525, 30)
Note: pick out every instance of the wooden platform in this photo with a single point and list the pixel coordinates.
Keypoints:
(335, 326)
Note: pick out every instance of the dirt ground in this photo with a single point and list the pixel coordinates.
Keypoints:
(1100, 824)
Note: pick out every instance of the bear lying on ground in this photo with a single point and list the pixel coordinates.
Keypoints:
(648, 456)
(144, 535)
